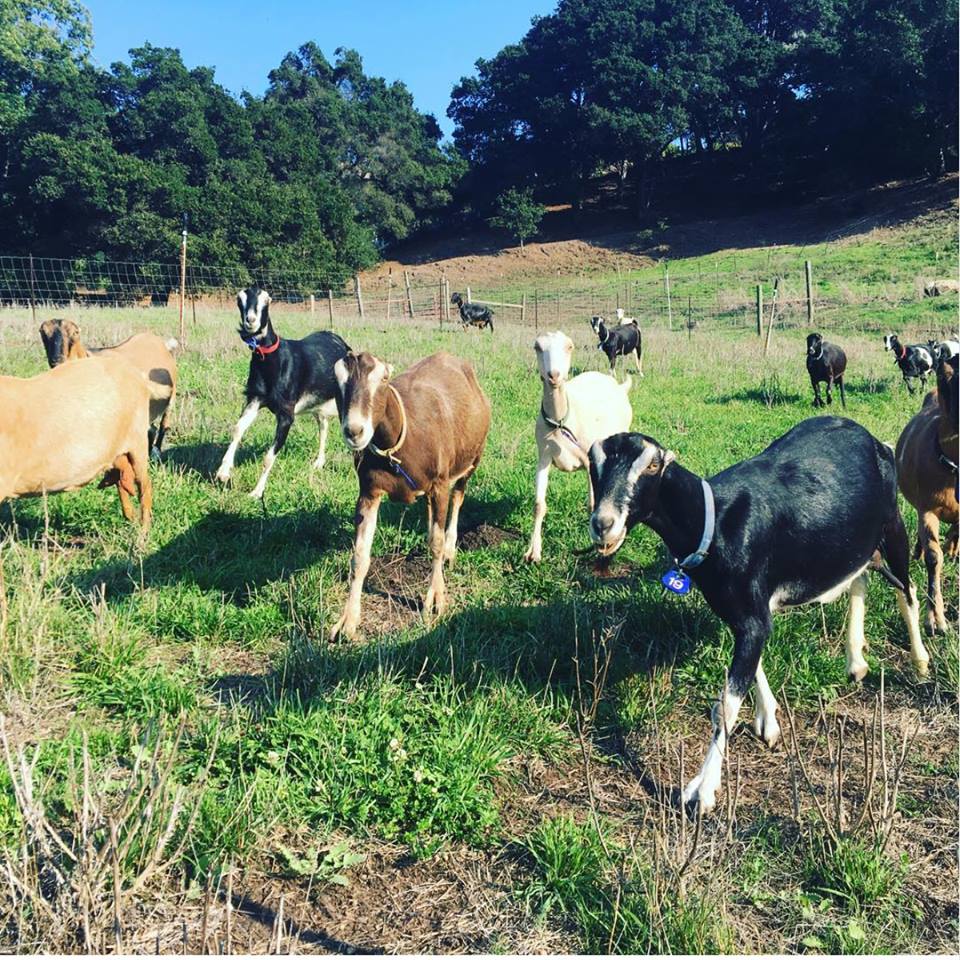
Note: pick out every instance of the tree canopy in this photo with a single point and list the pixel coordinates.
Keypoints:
(317, 175)
(837, 87)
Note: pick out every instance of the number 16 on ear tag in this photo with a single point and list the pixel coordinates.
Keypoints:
(676, 581)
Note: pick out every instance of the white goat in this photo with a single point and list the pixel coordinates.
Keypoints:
(622, 318)
(572, 417)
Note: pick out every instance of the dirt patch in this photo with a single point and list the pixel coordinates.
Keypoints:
(484, 536)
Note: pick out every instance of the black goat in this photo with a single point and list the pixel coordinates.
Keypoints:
(287, 377)
(802, 521)
(619, 341)
(473, 314)
(826, 363)
(915, 361)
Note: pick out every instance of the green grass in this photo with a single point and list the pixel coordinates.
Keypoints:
(430, 736)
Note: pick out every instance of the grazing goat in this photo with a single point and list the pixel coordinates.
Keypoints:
(287, 377)
(572, 416)
(473, 314)
(914, 361)
(67, 426)
(802, 521)
(942, 350)
(413, 436)
(826, 363)
(150, 354)
(927, 456)
(619, 341)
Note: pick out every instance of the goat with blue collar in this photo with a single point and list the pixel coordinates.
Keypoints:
(802, 521)
(287, 377)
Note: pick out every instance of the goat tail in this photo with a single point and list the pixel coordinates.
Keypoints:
(171, 343)
(157, 390)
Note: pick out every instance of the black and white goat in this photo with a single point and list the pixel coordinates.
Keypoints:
(826, 363)
(942, 350)
(802, 521)
(619, 341)
(915, 361)
(473, 314)
(287, 377)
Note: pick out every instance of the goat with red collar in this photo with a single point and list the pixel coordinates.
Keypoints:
(915, 362)
(287, 377)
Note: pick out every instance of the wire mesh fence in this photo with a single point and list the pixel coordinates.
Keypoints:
(702, 295)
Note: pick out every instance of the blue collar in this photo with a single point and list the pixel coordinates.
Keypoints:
(709, 522)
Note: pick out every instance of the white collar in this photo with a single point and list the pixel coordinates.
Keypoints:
(709, 522)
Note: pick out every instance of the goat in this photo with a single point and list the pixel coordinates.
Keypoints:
(619, 341)
(914, 361)
(826, 363)
(928, 452)
(473, 314)
(572, 416)
(66, 426)
(287, 377)
(413, 436)
(942, 350)
(802, 521)
(150, 354)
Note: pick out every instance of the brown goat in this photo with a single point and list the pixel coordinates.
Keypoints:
(415, 436)
(928, 452)
(65, 427)
(147, 352)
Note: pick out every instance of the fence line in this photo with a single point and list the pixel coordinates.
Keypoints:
(678, 299)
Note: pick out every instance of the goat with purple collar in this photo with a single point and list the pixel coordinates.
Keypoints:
(287, 377)
(802, 521)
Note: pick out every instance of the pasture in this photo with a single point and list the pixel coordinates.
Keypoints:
(189, 764)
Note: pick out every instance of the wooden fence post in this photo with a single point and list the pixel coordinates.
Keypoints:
(356, 287)
(773, 313)
(389, 289)
(759, 309)
(33, 297)
(666, 283)
(183, 277)
(469, 296)
(406, 280)
(313, 305)
(536, 309)
(330, 306)
(443, 284)
(808, 272)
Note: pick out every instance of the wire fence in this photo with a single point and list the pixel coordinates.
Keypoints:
(721, 295)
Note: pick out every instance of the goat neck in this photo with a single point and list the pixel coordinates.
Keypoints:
(554, 403)
(678, 510)
(388, 418)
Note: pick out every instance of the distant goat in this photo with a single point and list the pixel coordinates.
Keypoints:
(801, 522)
(414, 436)
(150, 354)
(619, 341)
(915, 362)
(287, 377)
(826, 363)
(943, 349)
(79, 421)
(473, 314)
(572, 416)
(928, 453)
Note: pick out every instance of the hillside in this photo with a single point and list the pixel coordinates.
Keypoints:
(597, 243)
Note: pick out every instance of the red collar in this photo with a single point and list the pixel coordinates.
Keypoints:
(902, 355)
(263, 351)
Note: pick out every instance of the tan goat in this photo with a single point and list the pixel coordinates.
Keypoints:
(928, 452)
(150, 354)
(66, 427)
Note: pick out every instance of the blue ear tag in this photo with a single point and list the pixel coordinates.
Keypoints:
(676, 581)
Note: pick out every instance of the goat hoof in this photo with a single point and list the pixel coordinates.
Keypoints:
(343, 630)
(155, 455)
(857, 672)
(922, 667)
(768, 730)
(532, 556)
(221, 477)
(255, 495)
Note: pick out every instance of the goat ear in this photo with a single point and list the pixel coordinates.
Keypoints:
(389, 371)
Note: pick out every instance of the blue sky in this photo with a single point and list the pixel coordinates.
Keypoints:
(429, 44)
